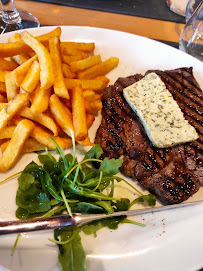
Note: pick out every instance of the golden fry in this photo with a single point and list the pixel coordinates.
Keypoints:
(96, 85)
(46, 70)
(85, 63)
(69, 59)
(30, 145)
(2, 87)
(90, 95)
(95, 106)
(32, 78)
(40, 100)
(3, 99)
(79, 114)
(82, 46)
(99, 69)
(59, 84)
(7, 132)
(20, 72)
(71, 51)
(11, 108)
(103, 78)
(67, 73)
(2, 75)
(20, 47)
(90, 119)
(11, 88)
(42, 119)
(86, 142)
(62, 115)
(42, 135)
(6, 65)
(15, 146)
(20, 59)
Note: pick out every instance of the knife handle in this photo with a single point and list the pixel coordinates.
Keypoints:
(36, 224)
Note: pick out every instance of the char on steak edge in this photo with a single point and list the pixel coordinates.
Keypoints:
(172, 174)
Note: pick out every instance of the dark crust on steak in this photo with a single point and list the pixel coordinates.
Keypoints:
(173, 174)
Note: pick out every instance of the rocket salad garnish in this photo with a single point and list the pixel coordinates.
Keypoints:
(67, 185)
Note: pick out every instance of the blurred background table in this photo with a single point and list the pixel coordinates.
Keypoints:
(165, 26)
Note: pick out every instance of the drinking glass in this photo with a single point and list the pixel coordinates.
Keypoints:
(191, 38)
(190, 8)
(11, 19)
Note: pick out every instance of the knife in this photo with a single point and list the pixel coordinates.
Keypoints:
(18, 226)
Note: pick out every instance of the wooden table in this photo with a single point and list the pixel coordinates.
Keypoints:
(51, 14)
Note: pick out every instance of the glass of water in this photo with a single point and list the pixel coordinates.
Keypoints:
(191, 38)
(11, 19)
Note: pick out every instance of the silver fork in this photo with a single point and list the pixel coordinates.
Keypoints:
(7, 227)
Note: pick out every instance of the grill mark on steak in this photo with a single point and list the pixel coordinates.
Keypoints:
(173, 174)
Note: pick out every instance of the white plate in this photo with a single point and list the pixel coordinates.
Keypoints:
(172, 240)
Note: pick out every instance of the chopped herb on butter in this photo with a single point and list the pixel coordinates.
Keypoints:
(159, 113)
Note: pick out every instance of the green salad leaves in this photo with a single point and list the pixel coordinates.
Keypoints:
(66, 184)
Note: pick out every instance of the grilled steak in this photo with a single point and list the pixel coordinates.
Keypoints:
(173, 174)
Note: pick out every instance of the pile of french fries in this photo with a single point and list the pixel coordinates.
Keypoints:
(48, 88)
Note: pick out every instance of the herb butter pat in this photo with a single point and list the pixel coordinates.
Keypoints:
(159, 113)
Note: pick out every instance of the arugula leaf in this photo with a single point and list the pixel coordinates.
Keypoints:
(72, 256)
(122, 205)
(33, 200)
(110, 167)
(95, 152)
(149, 199)
(86, 207)
(25, 180)
(111, 223)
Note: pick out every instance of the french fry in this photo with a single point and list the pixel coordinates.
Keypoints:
(69, 59)
(11, 88)
(46, 70)
(20, 72)
(15, 146)
(82, 46)
(6, 65)
(3, 99)
(67, 73)
(86, 142)
(45, 37)
(95, 106)
(2, 105)
(62, 115)
(20, 59)
(103, 78)
(85, 63)
(90, 95)
(42, 119)
(15, 37)
(7, 132)
(11, 108)
(2, 87)
(42, 136)
(99, 69)
(40, 100)
(79, 114)
(90, 119)
(32, 78)
(20, 47)
(71, 51)
(30, 145)
(96, 85)
(2, 75)
(59, 84)
(4, 145)
(87, 106)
